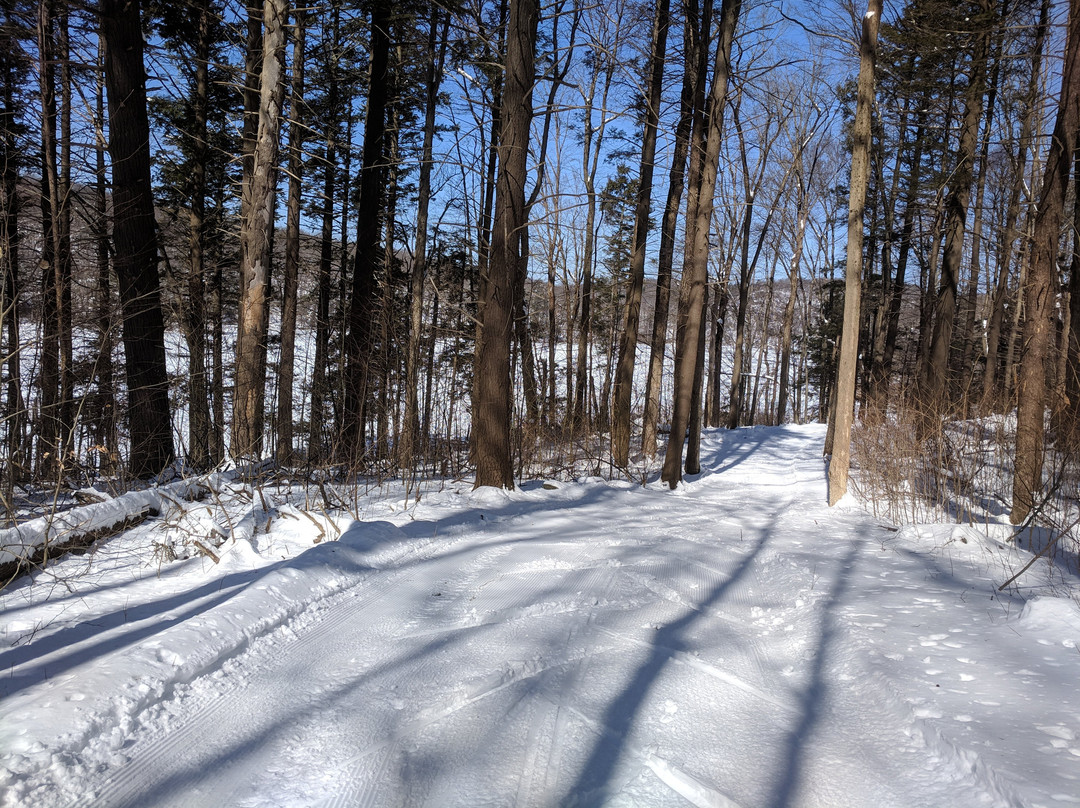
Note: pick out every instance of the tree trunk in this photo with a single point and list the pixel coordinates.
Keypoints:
(135, 240)
(49, 427)
(195, 327)
(1070, 418)
(255, 235)
(665, 259)
(1038, 298)
(319, 388)
(591, 145)
(624, 372)
(364, 305)
(860, 176)
(695, 272)
(491, 417)
(411, 443)
(104, 415)
(297, 135)
(14, 408)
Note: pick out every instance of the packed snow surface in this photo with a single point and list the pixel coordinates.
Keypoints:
(731, 643)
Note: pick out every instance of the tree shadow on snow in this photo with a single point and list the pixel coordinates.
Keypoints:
(593, 783)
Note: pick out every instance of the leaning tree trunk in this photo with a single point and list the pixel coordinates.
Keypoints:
(135, 240)
(624, 372)
(844, 409)
(1039, 325)
(665, 258)
(695, 272)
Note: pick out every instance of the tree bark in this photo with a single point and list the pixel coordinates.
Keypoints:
(363, 304)
(624, 372)
(665, 258)
(992, 385)
(135, 240)
(297, 136)
(491, 417)
(1039, 325)
(255, 240)
(844, 409)
(695, 272)
(195, 327)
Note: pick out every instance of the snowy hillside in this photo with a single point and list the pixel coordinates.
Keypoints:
(734, 642)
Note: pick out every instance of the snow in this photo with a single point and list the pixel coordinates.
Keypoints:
(732, 643)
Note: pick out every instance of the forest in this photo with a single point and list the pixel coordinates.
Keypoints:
(511, 239)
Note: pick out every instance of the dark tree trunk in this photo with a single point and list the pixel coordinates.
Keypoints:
(665, 258)
(624, 372)
(198, 401)
(363, 305)
(491, 417)
(688, 345)
(319, 387)
(14, 407)
(135, 240)
(104, 411)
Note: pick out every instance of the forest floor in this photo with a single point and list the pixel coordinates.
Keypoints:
(734, 642)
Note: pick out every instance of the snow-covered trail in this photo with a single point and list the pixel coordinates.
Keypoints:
(734, 642)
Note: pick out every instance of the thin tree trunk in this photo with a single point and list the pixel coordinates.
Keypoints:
(105, 412)
(992, 386)
(297, 135)
(666, 255)
(195, 327)
(592, 143)
(319, 387)
(14, 408)
(624, 373)
(411, 443)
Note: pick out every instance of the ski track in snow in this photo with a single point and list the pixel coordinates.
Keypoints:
(732, 643)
